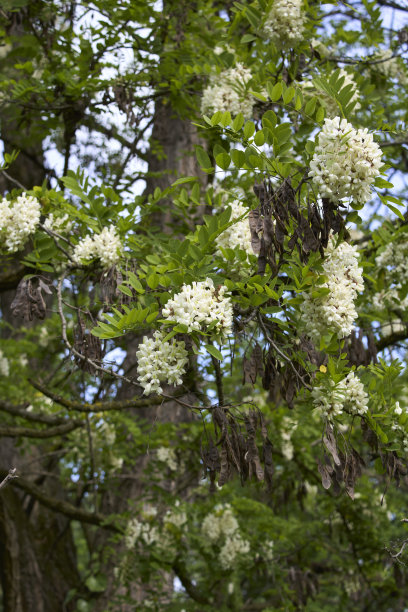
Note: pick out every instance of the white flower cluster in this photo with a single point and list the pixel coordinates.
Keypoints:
(397, 426)
(288, 428)
(388, 66)
(18, 220)
(221, 527)
(200, 305)
(178, 518)
(58, 224)
(136, 530)
(160, 362)
(237, 235)
(106, 246)
(394, 261)
(345, 163)
(347, 395)
(286, 22)
(335, 311)
(4, 365)
(227, 92)
(168, 456)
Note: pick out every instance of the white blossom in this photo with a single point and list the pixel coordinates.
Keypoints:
(168, 456)
(227, 92)
(285, 23)
(288, 428)
(335, 311)
(4, 365)
(345, 163)
(221, 527)
(106, 246)
(233, 547)
(393, 260)
(133, 531)
(237, 235)
(18, 220)
(159, 362)
(200, 305)
(348, 395)
(57, 224)
(178, 519)
(388, 66)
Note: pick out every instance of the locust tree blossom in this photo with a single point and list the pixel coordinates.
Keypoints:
(201, 305)
(388, 66)
(168, 456)
(160, 362)
(4, 365)
(227, 91)
(105, 246)
(393, 263)
(285, 23)
(335, 312)
(237, 235)
(145, 531)
(345, 163)
(221, 528)
(58, 224)
(348, 395)
(19, 219)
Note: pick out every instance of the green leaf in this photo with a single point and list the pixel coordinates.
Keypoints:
(153, 280)
(249, 129)
(289, 95)
(248, 38)
(259, 138)
(382, 183)
(238, 158)
(202, 158)
(238, 122)
(320, 115)
(223, 160)
(275, 92)
(214, 352)
(185, 179)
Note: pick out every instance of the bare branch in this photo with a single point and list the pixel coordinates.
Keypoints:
(58, 505)
(9, 476)
(137, 402)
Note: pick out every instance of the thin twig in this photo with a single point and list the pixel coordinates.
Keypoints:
(12, 474)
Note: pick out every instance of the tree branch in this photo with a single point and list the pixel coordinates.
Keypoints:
(36, 417)
(29, 432)
(11, 474)
(99, 406)
(63, 507)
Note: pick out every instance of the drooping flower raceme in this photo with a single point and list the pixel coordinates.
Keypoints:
(160, 362)
(345, 163)
(168, 456)
(227, 92)
(106, 246)
(58, 224)
(335, 312)
(237, 235)
(4, 365)
(393, 261)
(201, 305)
(285, 23)
(348, 395)
(388, 66)
(18, 220)
(221, 528)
